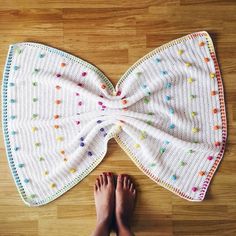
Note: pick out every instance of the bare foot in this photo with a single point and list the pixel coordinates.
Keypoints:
(104, 195)
(125, 197)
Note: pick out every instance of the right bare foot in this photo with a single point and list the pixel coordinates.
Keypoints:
(125, 198)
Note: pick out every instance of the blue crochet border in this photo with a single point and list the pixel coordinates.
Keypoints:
(5, 124)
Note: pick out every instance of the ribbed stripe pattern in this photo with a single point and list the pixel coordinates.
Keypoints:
(167, 112)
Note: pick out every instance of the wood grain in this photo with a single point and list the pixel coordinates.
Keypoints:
(113, 35)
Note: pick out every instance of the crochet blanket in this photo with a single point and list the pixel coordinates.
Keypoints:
(167, 112)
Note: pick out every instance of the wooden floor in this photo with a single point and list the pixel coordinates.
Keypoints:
(113, 35)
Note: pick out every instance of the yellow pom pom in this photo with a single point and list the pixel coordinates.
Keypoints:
(34, 129)
(195, 130)
(53, 185)
(188, 64)
(180, 52)
(59, 139)
(136, 145)
(193, 114)
(72, 170)
(212, 75)
(190, 80)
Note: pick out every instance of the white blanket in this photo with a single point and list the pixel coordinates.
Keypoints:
(167, 112)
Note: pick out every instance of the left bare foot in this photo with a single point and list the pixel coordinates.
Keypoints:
(104, 195)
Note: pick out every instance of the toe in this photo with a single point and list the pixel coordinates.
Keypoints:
(120, 180)
(128, 183)
(125, 182)
(101, 180)
(110, 178)
(131, 188)
(97, 183)
(104, 177)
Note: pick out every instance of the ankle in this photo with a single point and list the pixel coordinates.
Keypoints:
(102, 228)
(105, 222)
(124, 230)
(123, 227)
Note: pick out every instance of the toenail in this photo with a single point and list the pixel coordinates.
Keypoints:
(109, 173)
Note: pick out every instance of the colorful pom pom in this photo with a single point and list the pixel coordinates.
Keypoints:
(103, 86)
(34, 116)
(182, 163)
(201, 44)
(195, 130)
(173, 177)
(90, 153)
(212, 75)
(214, 110)
(34, 129)
(26, 181)
(124, 101)
(13, 132)
(217, 144)
(180, 52)
(210, 158)
(202, 173)
(16, 67)
(81, 144)
(162, 150)
(21, 165)
(194, 189)
(164, 72)
(59, 139)
(168, 85)
(216, 127)
(171, 110)
(190, 80)
(53, 185)
(213, 93)
(146, 100)
(84, 74)
(167, 98)
(72, 170)
(188, 64)
(192, 96)
(58, 102)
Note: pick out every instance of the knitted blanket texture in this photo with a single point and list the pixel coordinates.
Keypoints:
(167, 112)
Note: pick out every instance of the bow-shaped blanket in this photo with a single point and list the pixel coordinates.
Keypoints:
(167, 112)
